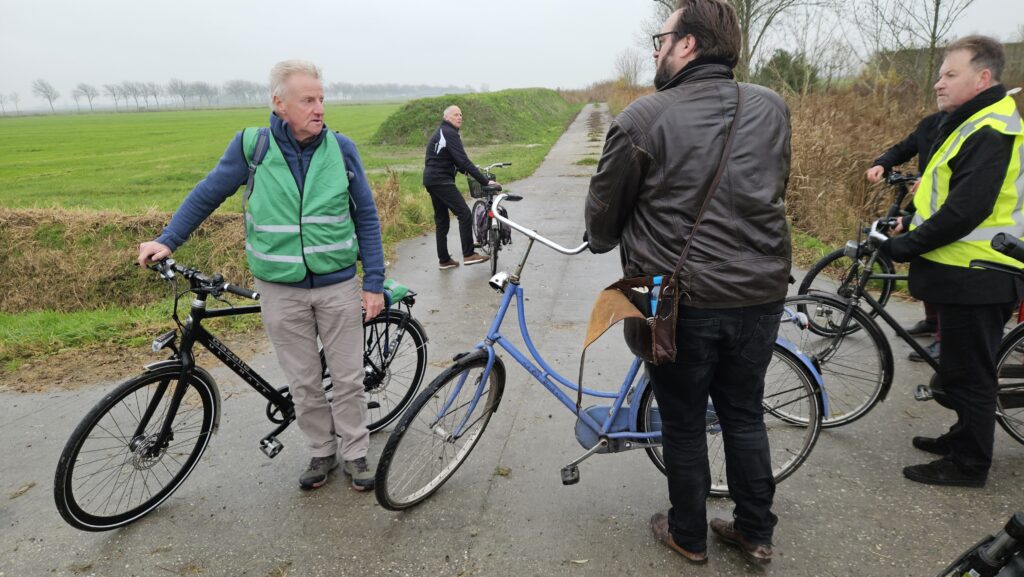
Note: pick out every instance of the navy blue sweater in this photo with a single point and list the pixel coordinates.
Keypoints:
(232, 172)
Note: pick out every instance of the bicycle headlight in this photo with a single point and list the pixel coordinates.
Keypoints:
(852, 249)
(165, 340)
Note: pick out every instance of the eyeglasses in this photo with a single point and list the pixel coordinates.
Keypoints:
(658, 42)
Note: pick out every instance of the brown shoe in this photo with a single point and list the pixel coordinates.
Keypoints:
(659, 525)
(726, 531)
(474, 259)
(447, 264)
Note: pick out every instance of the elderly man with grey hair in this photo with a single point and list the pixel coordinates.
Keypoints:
(309, 214)
(445, 156)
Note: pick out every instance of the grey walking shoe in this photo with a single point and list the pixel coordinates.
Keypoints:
(362, 473)
(316, 475)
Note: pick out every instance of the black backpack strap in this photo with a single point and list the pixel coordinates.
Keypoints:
(258, 154)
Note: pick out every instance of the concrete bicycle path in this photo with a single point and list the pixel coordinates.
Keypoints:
(847, 511)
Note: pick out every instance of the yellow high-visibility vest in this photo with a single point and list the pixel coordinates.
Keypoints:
(1007, 215)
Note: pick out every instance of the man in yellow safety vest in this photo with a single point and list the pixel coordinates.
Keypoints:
(971, 189)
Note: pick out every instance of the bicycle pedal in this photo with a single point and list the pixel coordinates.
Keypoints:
(271, 446)
(570, 475)
(923, 393)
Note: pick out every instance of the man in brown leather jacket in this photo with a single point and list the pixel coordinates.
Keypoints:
(660, 155)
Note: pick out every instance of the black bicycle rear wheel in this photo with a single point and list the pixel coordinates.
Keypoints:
(1010, 394)
(108, 476)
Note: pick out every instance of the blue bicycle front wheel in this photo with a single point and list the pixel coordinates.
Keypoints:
(437, 433)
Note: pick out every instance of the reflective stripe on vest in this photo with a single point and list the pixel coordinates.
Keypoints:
(1008, 213)
(291, 233)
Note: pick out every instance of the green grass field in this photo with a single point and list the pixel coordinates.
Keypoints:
(133, 163)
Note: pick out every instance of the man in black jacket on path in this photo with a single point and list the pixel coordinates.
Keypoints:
(659, 159)
(968, 193)
(445, 155)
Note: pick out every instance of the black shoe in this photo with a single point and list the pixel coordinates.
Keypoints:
(943, 472)
(922, 328)
(935, 446)
(932, 350)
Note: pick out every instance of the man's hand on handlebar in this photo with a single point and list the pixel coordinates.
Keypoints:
(875, 174)
(152, 251)
(373, 303)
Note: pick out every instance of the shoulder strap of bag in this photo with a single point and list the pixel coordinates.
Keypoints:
(714, 182)
(258, 154)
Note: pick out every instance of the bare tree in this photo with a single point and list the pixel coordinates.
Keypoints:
(77, 95)
(89, 91)
(44, 89)
(152, 89)
(630, 66)
(178, 88)
(15, 99)
(3, 104)
(131, 89)
(930, 22)
(113, 91)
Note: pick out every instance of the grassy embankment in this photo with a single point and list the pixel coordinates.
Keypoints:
(80, 192)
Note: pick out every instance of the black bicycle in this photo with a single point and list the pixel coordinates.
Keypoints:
(854, 357)
(143, 439)
(1001, 555)
(489, 234)
(841, 268)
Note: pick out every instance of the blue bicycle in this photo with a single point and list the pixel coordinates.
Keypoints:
(445, 422)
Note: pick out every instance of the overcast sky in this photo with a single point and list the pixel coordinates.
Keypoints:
(501, 44)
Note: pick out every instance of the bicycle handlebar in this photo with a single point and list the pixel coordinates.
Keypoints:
(531, 233)
(497, 165)
(895, 178)
(214, 285)
(1008, 245)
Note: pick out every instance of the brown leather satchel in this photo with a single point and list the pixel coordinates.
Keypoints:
(648, 305)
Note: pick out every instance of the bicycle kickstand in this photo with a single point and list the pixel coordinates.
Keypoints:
(571, 472)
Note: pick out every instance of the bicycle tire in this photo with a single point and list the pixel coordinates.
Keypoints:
(421, 455)
(124, 491)
(479, 234)
(1010, 393)
(858, 370)
(388, 390)
(844, 274)
(788, 384)
(494, 240)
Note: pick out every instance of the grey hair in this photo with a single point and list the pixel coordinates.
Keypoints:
(448, 111)
(282, 70)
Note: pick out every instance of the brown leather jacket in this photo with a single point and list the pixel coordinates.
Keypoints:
(661, 153)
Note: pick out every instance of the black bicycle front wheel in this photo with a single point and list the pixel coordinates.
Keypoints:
(108, 476)
(838, 273)
(494, 240)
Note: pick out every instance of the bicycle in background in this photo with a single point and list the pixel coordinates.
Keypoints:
(488, 233)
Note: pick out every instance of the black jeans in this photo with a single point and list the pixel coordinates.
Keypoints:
(447, 197)
(723, 353)
(967, 374)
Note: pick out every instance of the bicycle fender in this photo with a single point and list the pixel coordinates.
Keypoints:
(201, 374)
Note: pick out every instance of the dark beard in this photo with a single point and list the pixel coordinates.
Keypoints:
(662, 76)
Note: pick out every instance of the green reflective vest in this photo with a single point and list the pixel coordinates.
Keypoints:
(288, 233)
(1007, 215)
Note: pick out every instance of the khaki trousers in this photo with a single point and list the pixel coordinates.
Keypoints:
(293, 318)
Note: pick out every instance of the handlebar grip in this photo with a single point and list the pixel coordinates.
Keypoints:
(1008, 245)
(492, 188)
(242, 292)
